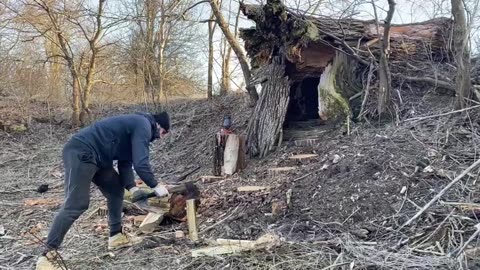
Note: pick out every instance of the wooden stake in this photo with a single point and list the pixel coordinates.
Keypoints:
(192, 220)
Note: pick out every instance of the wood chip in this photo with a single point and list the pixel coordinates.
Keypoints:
(303, 156)
(252, 188)
(42, 202)
(280, 170)
(210, 178)
(179, 234)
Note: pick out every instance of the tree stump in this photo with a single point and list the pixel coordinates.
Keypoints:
(229, 154)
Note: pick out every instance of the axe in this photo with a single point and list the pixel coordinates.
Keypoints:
(188, 189)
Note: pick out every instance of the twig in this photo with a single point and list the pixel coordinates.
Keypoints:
(219, 222)
(442, 114)
(335, 265)
(440, 194)
(457, 252)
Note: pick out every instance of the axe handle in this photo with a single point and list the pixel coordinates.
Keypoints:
(147, 196)
(172, 189)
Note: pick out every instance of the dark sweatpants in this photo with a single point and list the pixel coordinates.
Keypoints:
(80, 171)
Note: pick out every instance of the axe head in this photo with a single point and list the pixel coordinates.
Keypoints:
(191, 191)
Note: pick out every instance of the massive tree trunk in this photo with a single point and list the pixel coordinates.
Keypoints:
(462, 54)
(267, 120)
(252, 91)
(337, 83)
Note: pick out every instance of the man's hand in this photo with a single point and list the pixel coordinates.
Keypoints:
(138, 194)
(161, 190)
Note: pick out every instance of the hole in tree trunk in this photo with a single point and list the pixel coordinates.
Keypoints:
(303, 105)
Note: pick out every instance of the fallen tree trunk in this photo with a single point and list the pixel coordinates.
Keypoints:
(276, 25)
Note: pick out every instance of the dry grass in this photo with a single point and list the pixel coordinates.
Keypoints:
(449, 142)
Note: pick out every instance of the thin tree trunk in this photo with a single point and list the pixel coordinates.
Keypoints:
(237, 49)
(161, 51)
(85, 115)
(211, 30)
(75, 98)
(385, 80)
(227, 58)
(267, 120)
(462, 54)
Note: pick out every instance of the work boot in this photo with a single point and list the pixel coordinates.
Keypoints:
(49, 261)
(121, 240)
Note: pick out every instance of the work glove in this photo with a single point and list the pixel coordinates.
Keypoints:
(161, 190)
(138, 194)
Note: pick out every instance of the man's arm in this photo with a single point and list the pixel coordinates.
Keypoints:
(141, 156)
(126, 174)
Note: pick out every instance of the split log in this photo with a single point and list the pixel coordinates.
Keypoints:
(192, 220)
(151, 222)
(267, 119)
(232, 246)
(227, 161)
(230, 155)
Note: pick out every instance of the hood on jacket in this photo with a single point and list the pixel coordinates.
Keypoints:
(151, 119)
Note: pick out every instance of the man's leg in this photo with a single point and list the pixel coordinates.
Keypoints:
(108, 181)
(79, 171)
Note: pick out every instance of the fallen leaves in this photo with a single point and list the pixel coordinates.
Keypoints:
(50, 202)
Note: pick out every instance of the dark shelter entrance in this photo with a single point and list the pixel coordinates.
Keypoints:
(303, 104)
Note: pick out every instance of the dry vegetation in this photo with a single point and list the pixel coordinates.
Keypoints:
(344, 208)
(347, 205)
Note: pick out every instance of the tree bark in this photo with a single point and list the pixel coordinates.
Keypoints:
(462, 54)
(75, 99)
(227, 59)
(237, 49)
(385, 79)
(267, 120)
(161, 51)
(211, 30)
(85, 115)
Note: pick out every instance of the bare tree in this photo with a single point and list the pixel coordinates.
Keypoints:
(162, 40)
(251, 89)
(384, 75)
(462, 54)
(67, 27)
(227, 55)
(211, 32)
